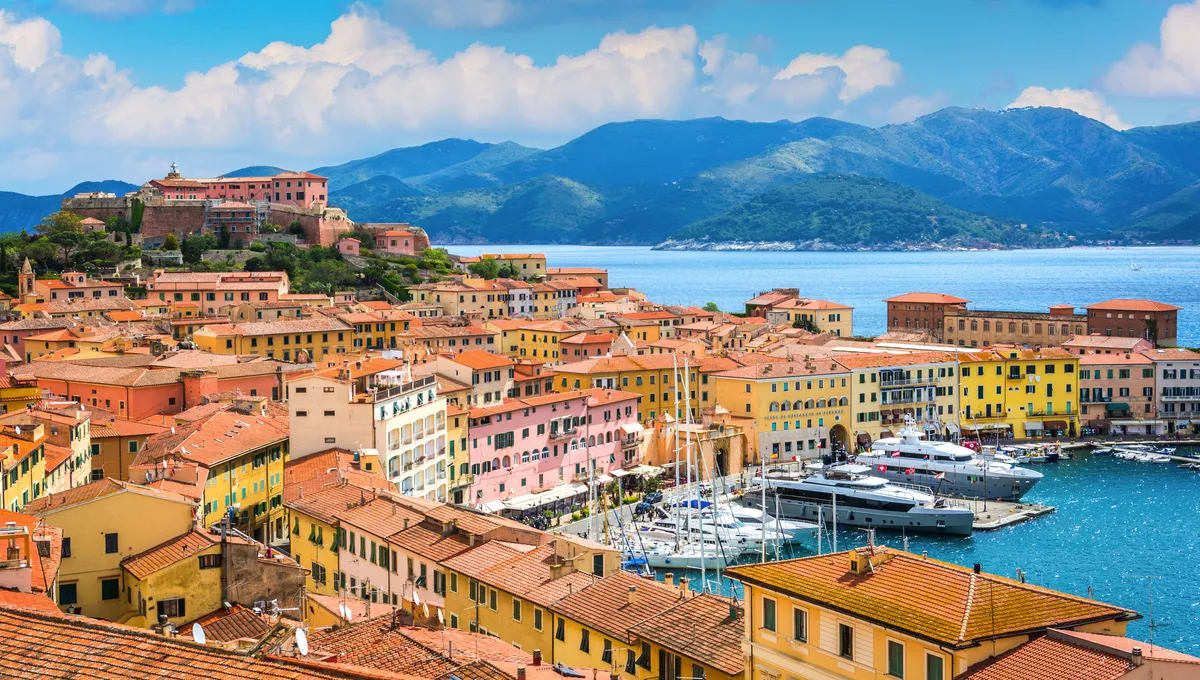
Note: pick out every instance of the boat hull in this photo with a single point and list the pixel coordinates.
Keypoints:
(969, 484)
(945, 521)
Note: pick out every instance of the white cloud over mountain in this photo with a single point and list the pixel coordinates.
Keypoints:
(368, 81)
(1084, 102)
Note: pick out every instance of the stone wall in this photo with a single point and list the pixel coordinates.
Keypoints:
(252, 578)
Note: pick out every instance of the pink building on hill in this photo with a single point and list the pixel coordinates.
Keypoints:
(349, 246)
(301, 189)
(523, 446)
(396, 242)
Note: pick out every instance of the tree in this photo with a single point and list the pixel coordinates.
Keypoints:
(486, 268)
(42, 251)
(223, 238)
(193, 247)
(60, 221)
(170, 242)
(807, 324)
(295, 228)
(136, 210)
(711, 307)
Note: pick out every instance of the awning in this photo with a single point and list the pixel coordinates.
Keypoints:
(1138, 422)
(645, 470)
(931, 427)
(618, 473)
(952, 427)
(1117, 406)
(1056, 424)
(1031, 426)
(603, 478)
(885, 434)
(863, 438)
(529, 500)
(632, 428)
(492, 506)
(987, 426)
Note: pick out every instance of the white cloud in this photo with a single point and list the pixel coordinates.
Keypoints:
(1172, 68)
(865, 69)
(1084, 102)
(367, 85)
(914, 106)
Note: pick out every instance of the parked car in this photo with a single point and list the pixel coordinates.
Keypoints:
(654, 497)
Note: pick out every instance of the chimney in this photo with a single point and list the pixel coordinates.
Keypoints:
(632, 597)
(669, 579)
(1136, 657)
(683, 583)
(978, 567)
(520, 673)
(537, 657)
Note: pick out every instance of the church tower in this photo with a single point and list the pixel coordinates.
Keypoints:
(27, 279)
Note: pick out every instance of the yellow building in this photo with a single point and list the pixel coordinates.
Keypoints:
(179, 578)
(237, 458)
(291, 340)
(829, 317)
(798, 408)
(541, 339)
(23, 464)
(456, 451)
(524, 265)
(18, 393)
(115, 443)
(644, 629)
(886, 613)
(653, 377)
(887, 388)
(103, 523)
(465, 297)
(1019, 392)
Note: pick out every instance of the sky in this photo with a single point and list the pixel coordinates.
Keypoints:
(120, 89)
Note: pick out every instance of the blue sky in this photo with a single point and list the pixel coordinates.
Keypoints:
(96, 89)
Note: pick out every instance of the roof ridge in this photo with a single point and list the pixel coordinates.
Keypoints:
(962, 630)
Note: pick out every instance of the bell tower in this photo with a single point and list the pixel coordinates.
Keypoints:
(26, 280)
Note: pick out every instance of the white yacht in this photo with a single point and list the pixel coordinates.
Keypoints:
(664, 553)
(951, 469)
(863, 500)
(754, 518)
(687, 526)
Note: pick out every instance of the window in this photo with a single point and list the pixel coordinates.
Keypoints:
(846, 641)
(585, 641)
(560, 632)
(491, 599)
(68, 593)
(453, 582)
(697, 672)
(934, 667)
(768, 614)
(800, 624)
(630, 662)
(895, 659)
(173, 607)
(110, 543)
(537, 619)
(110, 588)
(606, 656)
(644, 657)
(210, 561)
(66, 546)
(516, 609)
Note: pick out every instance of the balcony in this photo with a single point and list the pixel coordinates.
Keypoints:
(1099, 400)
(1180, 397)
(910, 400)
(565, 434)
(383, 394)
(1016, 376)
(907, 382)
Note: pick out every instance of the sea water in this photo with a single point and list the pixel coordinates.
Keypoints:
(1020, 280)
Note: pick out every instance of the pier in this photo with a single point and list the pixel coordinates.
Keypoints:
(992, 515)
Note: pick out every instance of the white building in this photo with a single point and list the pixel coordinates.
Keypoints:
(374, 403)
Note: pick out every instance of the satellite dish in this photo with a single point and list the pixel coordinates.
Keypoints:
(198, 634)
(441, 619)
(425, 608)
(172, 429)
(416, 598)
(18, 428)
(302, 641)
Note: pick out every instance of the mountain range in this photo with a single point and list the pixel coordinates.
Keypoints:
(1021, 177)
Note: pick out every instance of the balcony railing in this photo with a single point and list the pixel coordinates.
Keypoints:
(1016, 376)
(1181, 397)
(388, 393)
(907, 382)
(556, 436)
(909, 400)
(1097, 400)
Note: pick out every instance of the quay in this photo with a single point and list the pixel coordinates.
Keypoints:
(992, 515)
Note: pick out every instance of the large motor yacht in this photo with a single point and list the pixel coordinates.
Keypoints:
(948, 468)
(863, 500)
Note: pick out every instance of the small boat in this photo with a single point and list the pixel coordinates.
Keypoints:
(1167, 451)
(1102, 452)
(1152, 458)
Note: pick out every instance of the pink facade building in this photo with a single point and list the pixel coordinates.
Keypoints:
(396, 242)
(524, 446)
(301, 189)
(213, 290)
(349, 246)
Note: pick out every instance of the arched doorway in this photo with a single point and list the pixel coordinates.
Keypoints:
(838, 438)
(721, 463)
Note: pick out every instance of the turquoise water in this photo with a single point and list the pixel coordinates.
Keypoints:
(1023, 280)
(1117, 522)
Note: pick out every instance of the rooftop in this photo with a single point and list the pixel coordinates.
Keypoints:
(933, 600)
(1133, 305)
(928, 298)
(706, 627)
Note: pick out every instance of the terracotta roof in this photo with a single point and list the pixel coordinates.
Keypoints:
(879, 360)
(1133, 305)
(44, 568)
(705, 627)
(119, 427)
(477, 359)
(41, 645)
(167, 553)
(644, 362)
(605, 604)
(328, 502)
(1172, 354)
(1105, 341)
(90, 492)
(1114, 359)
(56, 455)
(15, 599)
(929, 298)
(427, 541)
(933, 600)
(1072, 655)
(414, 651)
(1125, 644)
(215, 438)
(227, 625)
(785, 370)
(526, 573)
(381, 517)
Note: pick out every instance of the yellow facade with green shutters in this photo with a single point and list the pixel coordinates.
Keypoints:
(1019, 392)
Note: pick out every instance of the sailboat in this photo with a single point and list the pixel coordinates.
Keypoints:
(1135, 266)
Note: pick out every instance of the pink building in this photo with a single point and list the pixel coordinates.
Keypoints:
(213, 290)
(524, 446)
(396, 242)
(301, 189)
(75, 286)
(348, 246)
(1116, 393)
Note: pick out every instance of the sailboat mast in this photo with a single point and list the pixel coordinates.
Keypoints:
(762, 462)
(835, 521)
(677, 495)
(693, 459)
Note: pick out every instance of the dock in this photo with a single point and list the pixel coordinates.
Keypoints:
(992, 515)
